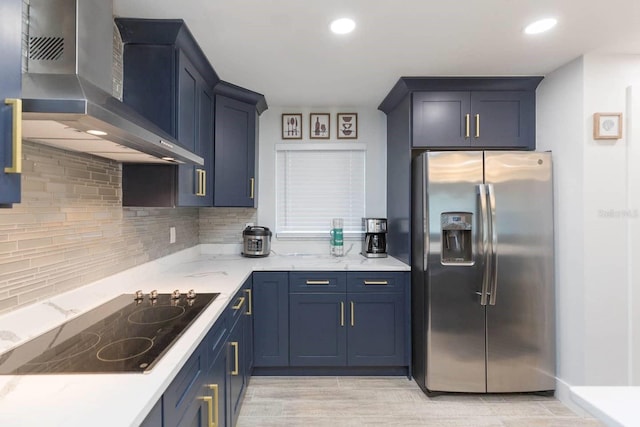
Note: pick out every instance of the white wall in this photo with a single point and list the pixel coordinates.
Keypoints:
(372, 130)
(597, 218)
(559, 101)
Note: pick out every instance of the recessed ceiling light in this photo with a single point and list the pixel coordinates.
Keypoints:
(540, 26)
(96, 132)
(343, 25)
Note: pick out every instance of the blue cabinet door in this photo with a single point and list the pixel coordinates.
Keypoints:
(236, 369)
(217, 388)
(503, 119)
(376, 333)
(10, 88)
(234, 153)
(440, 119)
(317, 327)
(271, 319)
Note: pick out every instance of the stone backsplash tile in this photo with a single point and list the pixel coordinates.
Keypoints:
(71, 228)
(224, 225)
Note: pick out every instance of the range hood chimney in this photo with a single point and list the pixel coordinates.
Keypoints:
(67, 87)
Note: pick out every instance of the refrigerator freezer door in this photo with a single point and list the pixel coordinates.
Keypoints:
(520, 326)
(455, 328)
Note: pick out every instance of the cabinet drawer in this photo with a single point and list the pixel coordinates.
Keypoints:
(216, 337)
(367, 281)
(330, 281)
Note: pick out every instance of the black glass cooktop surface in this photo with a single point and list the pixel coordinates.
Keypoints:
(122, 335)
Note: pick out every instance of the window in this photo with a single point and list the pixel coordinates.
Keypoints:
(318, 182)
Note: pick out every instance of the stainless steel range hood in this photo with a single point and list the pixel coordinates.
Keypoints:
(67, 87)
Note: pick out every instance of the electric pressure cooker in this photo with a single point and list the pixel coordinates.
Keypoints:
(257, 241)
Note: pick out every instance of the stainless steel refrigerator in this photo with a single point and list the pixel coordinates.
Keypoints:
(483, 317)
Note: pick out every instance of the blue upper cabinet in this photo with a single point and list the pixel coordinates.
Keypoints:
(236, 133)
(10, 104)
(168, 80)
(468, 113)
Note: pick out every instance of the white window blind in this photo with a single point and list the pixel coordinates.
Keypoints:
(318, 182)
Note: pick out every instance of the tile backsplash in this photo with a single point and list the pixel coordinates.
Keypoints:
(71, 228)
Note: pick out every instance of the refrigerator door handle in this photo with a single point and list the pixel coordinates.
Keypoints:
(425, 214)
(494, 244)
(484, 236)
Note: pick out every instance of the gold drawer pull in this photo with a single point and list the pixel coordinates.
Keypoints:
(209, 401)
(341, 313)
(252, 182)
(318, 282)
(477, 125)
(235, 371)
(16, 166)
(353, 315)
(249, 304)
(466, 126)
(213, 420)
(239, 303)
(376, 282)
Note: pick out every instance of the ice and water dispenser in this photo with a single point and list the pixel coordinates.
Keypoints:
(456, 238)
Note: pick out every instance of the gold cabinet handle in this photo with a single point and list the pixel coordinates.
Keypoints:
(376, 282)
(477, 125)
(249, 304)
(253, 188)
(317, 282)
(213, 418)
(234, 344)
(341, 313)
(239, 303)
(467, 126)
(353, 317)
(209, 401)
(201, 174)
(16, 166)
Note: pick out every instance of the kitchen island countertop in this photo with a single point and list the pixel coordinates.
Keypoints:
(124, 399)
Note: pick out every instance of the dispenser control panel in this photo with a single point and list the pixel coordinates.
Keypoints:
(456, 228)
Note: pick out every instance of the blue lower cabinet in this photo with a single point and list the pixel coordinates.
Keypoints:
(376, 333)
(271, 319)
(236, 370)
(366, 324)
(317, 329)
(182, 405)
(217, 389)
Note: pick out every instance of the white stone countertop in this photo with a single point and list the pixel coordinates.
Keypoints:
(615, 406)
(124, 399)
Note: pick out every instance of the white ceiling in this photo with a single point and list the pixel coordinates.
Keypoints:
(283, 48)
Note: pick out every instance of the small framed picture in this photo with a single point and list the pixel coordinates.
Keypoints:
(292, 126)
(347, 125)
(607, 126)
(319, 125)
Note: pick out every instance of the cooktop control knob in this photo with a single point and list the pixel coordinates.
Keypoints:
(153, 294)
(139, 295)
(191, 294)
(175, 294)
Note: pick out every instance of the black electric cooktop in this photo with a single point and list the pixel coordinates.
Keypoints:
(123, 335)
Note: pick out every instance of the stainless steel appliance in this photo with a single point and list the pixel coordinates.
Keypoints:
(67, 86)
(130, 333)
(482, 272)
(256, 241)
(374, 244)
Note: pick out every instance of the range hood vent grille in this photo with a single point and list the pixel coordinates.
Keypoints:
(46, 48)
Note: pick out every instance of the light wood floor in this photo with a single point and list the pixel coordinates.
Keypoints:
(391, 401)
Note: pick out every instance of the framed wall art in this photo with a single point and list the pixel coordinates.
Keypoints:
(607, 126)
(292, 126)
(319, 125)
(347, 125)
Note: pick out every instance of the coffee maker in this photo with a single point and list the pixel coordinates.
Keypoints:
(374, 244)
